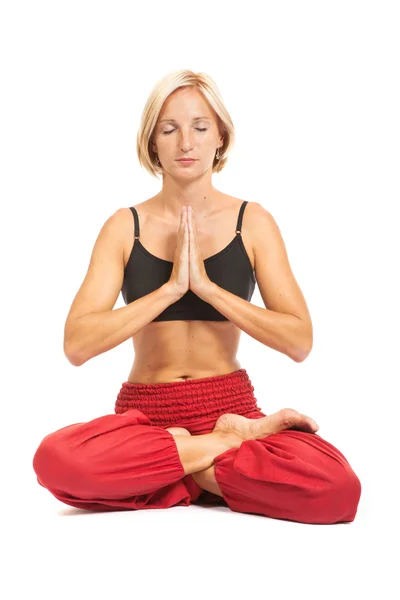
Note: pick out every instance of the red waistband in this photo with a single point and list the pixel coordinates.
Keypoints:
(178, 401)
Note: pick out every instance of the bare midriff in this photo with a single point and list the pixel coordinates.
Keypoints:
(167, 351)
(179, 350)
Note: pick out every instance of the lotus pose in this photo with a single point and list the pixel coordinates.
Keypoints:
(186, 426)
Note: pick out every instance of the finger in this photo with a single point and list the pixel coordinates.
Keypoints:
(191, 226)
(181, 232)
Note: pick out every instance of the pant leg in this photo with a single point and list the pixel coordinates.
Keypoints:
(290, 475)
(114, 462)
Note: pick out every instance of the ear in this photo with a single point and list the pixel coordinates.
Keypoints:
(221, 132)
(152, 145)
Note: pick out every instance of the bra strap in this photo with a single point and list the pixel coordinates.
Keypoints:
(240, 217)
(136, 217)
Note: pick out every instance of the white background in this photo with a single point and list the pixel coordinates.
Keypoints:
(313, 90)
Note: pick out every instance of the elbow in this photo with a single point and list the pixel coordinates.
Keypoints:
(301, 356)
(74, 362)
(303, 352)
(304, 348)
(72, 355)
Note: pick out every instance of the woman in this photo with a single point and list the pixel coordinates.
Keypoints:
(187, 427)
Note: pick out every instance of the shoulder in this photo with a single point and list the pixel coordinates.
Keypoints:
(118, 226)
(119, 219)
(234, 204)
(143, 209)
(258, 219)
(123, 216)
(261, 219)
(115, 228)
(122, 222)
(252, 209)
(257, 210)
(266, 236)
(125, 213)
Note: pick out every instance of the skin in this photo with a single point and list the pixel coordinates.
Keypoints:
(238, 429)
(178, 350)
(174, 350)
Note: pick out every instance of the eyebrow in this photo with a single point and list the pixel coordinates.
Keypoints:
(195, 119)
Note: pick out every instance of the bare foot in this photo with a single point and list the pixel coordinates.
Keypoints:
(252, 429)
(234, 425)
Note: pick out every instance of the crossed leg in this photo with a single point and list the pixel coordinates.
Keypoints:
(206, 478)
(289, 474)
(119, 462)
(247, 429)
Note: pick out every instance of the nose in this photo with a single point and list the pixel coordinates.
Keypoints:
(186, 140)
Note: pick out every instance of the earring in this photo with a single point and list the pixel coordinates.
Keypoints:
(157, 161)
(217, 155)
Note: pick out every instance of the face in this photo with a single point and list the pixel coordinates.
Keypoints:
(180, 133)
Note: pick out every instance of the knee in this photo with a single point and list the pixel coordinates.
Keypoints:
(54, 464)
(343, 496)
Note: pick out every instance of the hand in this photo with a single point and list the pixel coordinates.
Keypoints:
(179, 279)
(198, 278)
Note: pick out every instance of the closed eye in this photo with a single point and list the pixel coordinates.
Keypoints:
(198, 129)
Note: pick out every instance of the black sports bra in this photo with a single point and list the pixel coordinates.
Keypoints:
(230, 269)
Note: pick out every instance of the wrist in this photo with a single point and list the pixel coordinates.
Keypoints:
(172, 291)
(205, 291)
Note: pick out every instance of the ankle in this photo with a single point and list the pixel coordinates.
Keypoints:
(232, 440)
(197, 452)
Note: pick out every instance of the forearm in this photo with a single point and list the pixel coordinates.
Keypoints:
(96, 333)
(282, 332)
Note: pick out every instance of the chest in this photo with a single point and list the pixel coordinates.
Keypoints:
(214, 235)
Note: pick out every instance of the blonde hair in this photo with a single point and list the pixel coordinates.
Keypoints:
(163, 88)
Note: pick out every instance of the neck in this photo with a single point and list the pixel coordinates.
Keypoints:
(201, 196)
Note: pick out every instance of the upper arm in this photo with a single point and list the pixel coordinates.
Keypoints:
(277, 284)
(102, 284)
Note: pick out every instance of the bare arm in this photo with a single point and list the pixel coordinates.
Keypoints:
(284, 324)
(92, 326)
(99, 332)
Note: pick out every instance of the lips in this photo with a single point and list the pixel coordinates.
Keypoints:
(187, 159)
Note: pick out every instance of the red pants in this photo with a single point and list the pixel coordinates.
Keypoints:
(128, 460)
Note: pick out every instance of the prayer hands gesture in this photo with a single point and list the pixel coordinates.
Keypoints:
(188, 271)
